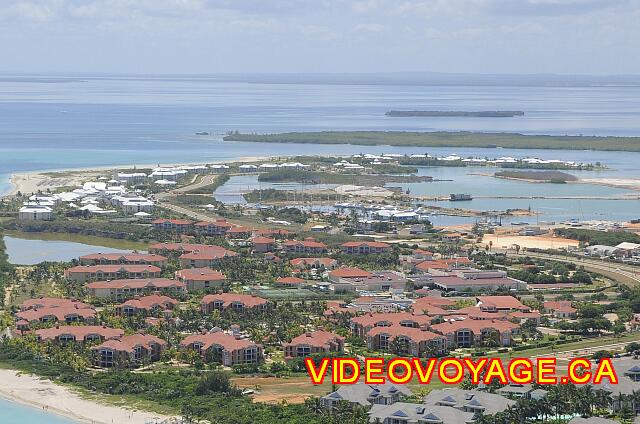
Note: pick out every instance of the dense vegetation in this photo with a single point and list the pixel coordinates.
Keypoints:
(542, 176)
(317, 177)
(117, 230)
(593, 237)
(5, 268)
(447, 139)
(190, 393)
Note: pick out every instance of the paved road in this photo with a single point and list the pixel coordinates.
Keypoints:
(625, 274)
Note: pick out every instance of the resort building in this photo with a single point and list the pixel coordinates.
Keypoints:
(560, 309)
(474, 401)
(224, 348)
(213, 228)
(78, 333)
(413, 413)
(67, 314)
(366, 394)
(146, 305)
(365, 247)
(472, 332)
(180, 226)
(200, 279)
(206, 258)
(35, 213)
(314, 342)
(125, 289)
(471, 280)
(354, 279)
(263, 244)
(232, 301)
(128, 351)
(53, 302)
(86, 273)
(308, 246)
(313, 263)
(401, 340)
(124, 258)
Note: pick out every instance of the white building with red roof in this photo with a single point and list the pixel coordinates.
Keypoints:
(85, 273)
(313, 263)
(124, 258)
(308, 343)
(365, 247)
(201, 279)
(125, 289)
(219, 227)
(224, 348)
(128, 351)
(209, 257)
(180, 226)
(308, 246)
(232, 301)
(146, 305)
(78, 333)
(263, 244)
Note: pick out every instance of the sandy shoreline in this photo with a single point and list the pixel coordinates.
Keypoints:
(31, 391)
(34, 181)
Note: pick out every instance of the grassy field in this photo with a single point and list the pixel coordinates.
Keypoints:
(448, 139)
(80, 238)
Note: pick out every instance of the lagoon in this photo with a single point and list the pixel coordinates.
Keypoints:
(33, 251)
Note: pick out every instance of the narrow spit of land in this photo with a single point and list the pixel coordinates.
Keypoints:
(448, 139)
(454, 113)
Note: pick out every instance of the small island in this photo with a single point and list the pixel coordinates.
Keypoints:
(454, 113)
(557, 177)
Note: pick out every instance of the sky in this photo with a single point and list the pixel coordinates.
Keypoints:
(332, 36)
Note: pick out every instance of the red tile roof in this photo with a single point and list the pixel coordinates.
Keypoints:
(217, 223)
(262, 240)
(239, 229)
(128, 343)
(302, 262)
(52, 302)
(365, 243)
(391, 318)
(148, 302)
(173, 221)
(415, 334)
(444, 264)
(199, 274)
(501, 302)
(290, 280)
(227, 341)
(136, 283)
(209, 254)
(60, 313)
(248, 300)
(305, 243)
(350, 273)
(319, 338)
(125, 257)
(113, 268)
(475, 325)
(79, 332)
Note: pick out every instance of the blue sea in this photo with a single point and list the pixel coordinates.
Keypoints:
(13, 413)
(59, 122)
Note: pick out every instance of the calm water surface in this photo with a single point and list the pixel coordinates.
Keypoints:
(13, 413)
(31, 252)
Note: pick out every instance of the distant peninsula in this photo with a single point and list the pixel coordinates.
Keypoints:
(453, 113)
(448, 139)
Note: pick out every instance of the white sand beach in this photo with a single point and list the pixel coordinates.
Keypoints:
(32, 182)
(33, 391)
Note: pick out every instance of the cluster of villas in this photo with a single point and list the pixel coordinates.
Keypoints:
(388, 403)
(96, 197)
